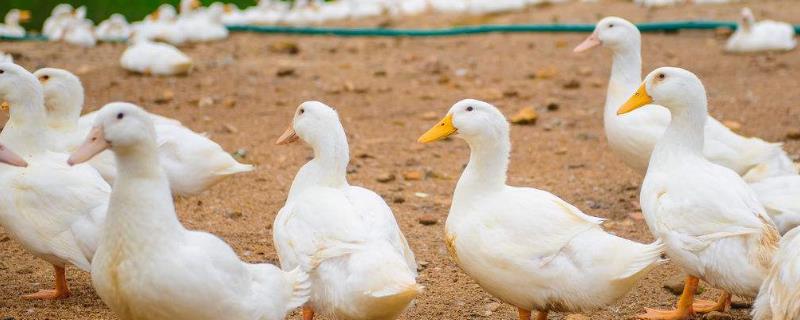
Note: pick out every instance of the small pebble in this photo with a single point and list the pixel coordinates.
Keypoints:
(428, 219)
(716, 315)
(526, 115)
(385, 178)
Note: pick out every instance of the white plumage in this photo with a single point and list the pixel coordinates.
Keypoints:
(148, 57)
(779, 297)
(148, 266)
(767, 35)
(191, 161)
(366, 269)
(11, 26)
(525, 246)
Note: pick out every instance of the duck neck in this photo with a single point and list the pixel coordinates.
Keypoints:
(63, 114)
(685, 134)
(626, 76)
(12, 21)
(141, 209)
(329, 166)
(25, 132)
(488, 164)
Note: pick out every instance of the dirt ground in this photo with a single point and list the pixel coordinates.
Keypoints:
(388, 92)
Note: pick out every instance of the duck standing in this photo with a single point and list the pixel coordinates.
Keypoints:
(148, 266)
(525, 246)
(710, 220)
(55, 211)
(366, 269)
(764, 165)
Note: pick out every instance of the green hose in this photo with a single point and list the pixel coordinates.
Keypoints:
(455, 31)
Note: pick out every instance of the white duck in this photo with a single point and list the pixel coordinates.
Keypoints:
(767, 35)
(525, 246)
(192, 162)
(115, 28)
(633, 137)
(658, 3)
(154, 58)
(148, 266)
(14, 17)
(710, 220)
(53, 210)
(201, 25)
(80, 32)
(366, 269)
(161, 25)
(57, 20)
(779, 297)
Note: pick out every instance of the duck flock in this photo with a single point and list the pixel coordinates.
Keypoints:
(723, 207)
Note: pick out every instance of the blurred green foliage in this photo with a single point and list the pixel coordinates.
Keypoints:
(98, 10)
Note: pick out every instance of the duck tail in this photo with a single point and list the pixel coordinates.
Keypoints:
(649, 257)
(182, 67)
(237, 167)
(300, 286)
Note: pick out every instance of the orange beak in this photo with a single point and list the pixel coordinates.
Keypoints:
(9, 157)
(94, 144)
(590, 42)
(24, 16)
(287, 137)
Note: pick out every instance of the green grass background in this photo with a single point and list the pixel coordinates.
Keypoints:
(98, 10)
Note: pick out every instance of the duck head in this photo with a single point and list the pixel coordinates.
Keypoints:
(62, 10)
(677, 89)
(470, 120)
(119, 126)
(63, 94)
(747, 19)
(15, 17)
(313, 122)
(17, 86)
(612, 32)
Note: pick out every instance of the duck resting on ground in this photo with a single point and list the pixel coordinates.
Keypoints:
(147, 265)
(366, 269)
(710, 220)
(525, 246)
(767, 35)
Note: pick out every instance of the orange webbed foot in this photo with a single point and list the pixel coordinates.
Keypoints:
(47, 295)
(653, 314)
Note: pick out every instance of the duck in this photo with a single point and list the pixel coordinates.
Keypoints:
(57, 20)
(199, 24)
(545, 254)
(53, 210)
(113, 29)
(658, 3)
(148, 266)
(80, 32)
(711, 222)
(766, 35)
(634, 137)
(778, 297)
(11, 27)
(192, 162)
(364, 266)
(149, 57)
(161, 26)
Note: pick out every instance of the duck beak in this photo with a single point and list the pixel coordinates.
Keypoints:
(4, 106)
(590, 42)
(24, 16)
(94, 144)
(9, 157)
(441, 130)
(287, 137)
(638, 100)
(196, 4)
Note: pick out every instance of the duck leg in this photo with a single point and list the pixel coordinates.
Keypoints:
(308, 313)
(524, 314)
(684, 309)
(542, 315)
(722, 305)
(60, 292)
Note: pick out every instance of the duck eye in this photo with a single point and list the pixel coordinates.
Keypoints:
(611, 25)
(661, 76)
(302, 111)
(470, 108)
(2, 71)
(120, 115)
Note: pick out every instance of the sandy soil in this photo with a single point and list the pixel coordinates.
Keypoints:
(389, 91)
